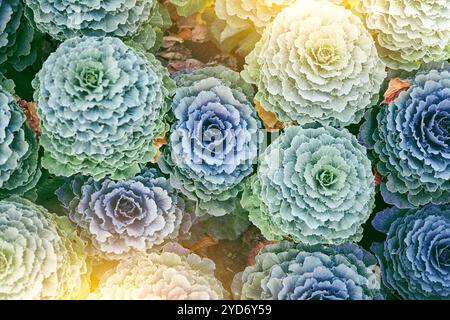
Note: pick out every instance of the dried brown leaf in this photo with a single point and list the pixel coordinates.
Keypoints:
(377, 177)
(205, 242)
(33, 121)
(179, 65)
(158, 142)
(224, 59)
(396, 86)
(170, 41)
(270, 121)
(176, 52)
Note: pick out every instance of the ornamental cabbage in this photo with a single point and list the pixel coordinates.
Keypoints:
(313, 185)
(238, 24)
(101, 104)
(214, 139)
(415, 258)
(172, 273)
(64, 19)
(120, 218)
(19, 158)
(316, 62)
(411, 138)
(287, 271)
(409, 32)
(7, 84)
(41, 256)
(149, 37)
(18, 40)
(189, 7)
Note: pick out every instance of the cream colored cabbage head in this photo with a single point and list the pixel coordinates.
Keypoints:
(316, 62)
(409, 32)
(238, 24)
(41, 256)
(171, 274)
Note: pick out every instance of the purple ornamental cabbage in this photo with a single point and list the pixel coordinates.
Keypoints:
(214, 139)
(119, 217)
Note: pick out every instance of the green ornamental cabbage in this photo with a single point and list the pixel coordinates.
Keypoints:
(101, 104)
(64, 19)
(313, 185)
(19, 42)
